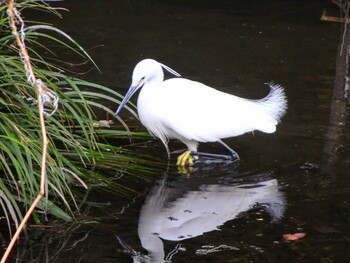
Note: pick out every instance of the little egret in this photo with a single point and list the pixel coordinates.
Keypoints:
(192, 112)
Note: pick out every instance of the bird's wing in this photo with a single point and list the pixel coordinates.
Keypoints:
(201, 113)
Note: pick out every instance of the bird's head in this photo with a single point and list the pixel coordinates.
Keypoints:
(145, 71)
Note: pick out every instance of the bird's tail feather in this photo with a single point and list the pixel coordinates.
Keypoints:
(275, 103)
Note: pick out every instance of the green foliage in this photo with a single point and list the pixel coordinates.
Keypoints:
(74, 148)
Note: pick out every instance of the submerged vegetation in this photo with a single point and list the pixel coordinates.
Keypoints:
(74, 134)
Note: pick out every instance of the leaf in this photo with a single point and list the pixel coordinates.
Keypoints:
(295, 236)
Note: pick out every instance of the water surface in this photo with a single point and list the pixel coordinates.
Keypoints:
(284, 183)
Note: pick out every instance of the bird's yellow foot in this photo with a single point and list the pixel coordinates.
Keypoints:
(185, 159)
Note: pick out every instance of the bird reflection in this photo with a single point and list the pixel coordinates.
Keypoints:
(188, 207)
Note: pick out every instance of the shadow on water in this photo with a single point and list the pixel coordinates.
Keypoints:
(336, 134)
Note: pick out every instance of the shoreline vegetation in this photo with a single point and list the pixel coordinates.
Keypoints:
(51, 141)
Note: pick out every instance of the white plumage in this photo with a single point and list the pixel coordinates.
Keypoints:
(193, 112)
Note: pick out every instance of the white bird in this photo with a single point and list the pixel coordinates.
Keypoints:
(192, 112)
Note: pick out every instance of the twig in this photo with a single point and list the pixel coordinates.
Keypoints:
(327, 18)
(40, 90)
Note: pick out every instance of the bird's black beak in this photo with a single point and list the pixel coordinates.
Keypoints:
(131, 91)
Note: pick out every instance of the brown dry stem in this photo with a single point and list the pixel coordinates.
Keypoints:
(33, 81)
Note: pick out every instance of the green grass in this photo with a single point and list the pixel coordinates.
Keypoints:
(76, 144)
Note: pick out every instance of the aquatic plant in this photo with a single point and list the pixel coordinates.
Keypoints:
(73, 146)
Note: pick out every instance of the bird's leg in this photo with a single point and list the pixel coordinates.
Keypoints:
(233, 157)
(188, 157)
(213, 155)
(233, 153)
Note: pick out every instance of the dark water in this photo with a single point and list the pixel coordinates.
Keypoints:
(285, 182)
